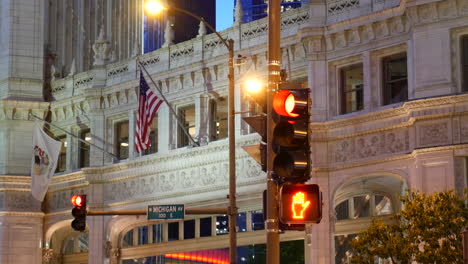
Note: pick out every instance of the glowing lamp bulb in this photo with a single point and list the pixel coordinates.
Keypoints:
(253, 86)
(77, 200)
(153, 7)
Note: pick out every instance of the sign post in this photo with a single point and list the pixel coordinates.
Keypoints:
(166, 212)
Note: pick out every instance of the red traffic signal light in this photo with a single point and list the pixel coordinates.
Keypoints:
(79, 212)
(300, 204)
(290, 103)
(78, 200)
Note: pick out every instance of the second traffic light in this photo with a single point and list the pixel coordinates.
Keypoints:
(79, 212)
(290, 135)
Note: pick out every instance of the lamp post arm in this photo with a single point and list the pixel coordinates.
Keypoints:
(199, 18)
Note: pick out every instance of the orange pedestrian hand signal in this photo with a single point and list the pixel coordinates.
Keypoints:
(299, 206)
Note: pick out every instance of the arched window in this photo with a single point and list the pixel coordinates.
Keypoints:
(359, 200)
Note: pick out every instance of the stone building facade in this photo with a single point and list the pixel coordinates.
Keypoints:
(388, 81)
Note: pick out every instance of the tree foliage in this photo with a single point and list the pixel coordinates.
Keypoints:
(426, 230)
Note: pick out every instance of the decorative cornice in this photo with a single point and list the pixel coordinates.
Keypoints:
(380, 160)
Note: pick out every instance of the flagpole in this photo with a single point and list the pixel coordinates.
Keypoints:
(79, 139)
(173, 112)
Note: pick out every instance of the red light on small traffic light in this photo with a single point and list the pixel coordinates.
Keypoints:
(299, 205)
(77, 200)
(284, 103)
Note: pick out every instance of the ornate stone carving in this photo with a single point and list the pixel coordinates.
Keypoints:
(354, 37)
(201, 29)
(397, 25)
(428, 12)
(340, 39)
(434, 134)
(72, 68)
(382, 29)
(238, 13)
(101, 49)
(369, 146)
(168, 35)
(447, 9)
(368, 32)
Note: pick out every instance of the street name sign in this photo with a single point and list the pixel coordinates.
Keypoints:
(166, 212)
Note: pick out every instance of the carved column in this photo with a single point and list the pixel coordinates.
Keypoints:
(202, 118)
(317, 76)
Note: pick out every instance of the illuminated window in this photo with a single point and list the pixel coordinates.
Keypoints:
(395, 79)
(153, 137)
(62, 158)
(187, 116)
(258, 223)
(363, 206)
(352, 88)
(121, 140)
(84, 148)
(219, 110)
(222, 225)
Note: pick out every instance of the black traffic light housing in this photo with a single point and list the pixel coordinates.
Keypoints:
(79, 212)
(290, 136)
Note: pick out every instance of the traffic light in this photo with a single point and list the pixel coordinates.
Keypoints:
(256, 95)
(300, 204)
(290, 135)
(79, 212)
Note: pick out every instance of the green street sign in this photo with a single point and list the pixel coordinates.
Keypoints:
(166, 212)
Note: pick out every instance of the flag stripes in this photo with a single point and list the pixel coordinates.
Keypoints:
(148, 104)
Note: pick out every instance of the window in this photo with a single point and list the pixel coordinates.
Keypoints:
(242, 222)
(352, 88)
(153, 137)
(395, 78)
(258, 223)
(363, 206)
(84, 148)
(128, 239)
(173, 231)
(62, 158)
(142, 235)
(222, 225)
(205, 227)
(219, 127)
(121, 140)
(464, 62)
(189, 229)
(342, 210)
(157, 233)
(187, 116)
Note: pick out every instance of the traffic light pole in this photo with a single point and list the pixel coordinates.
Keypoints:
(274, 56)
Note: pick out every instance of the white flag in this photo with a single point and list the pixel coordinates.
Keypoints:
(44, 161)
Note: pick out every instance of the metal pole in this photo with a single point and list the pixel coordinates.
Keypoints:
(232, 161)
(272, 225)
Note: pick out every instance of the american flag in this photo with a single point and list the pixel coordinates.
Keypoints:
(147, 106)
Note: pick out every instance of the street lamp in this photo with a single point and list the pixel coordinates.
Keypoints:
(154, 7)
